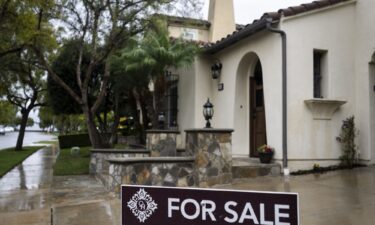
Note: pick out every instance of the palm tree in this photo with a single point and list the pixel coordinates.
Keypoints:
(154, 54)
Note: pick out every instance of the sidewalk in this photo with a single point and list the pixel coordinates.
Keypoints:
(25, 191)
(30, 194)
(29, 191)
(82, 200)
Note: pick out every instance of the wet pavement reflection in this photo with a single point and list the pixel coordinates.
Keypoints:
(35, 172)
(29, 194)
(339, 197)
(25, 191)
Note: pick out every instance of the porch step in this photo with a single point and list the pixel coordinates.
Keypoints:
(244, 167)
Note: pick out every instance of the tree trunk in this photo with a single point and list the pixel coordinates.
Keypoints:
(21, 133)
(113, 139)
(95, 137)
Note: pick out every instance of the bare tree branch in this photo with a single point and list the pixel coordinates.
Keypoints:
(103, 88)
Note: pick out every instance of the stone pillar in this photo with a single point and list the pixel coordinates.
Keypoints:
(162, 143)
(212, 150)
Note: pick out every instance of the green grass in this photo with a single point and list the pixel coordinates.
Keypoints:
(47, 142)
(68, 164)
(9, 158)
(121, 146)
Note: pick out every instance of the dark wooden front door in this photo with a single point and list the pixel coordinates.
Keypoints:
(258, 135)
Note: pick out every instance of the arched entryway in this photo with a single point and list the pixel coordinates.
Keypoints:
(249, 119)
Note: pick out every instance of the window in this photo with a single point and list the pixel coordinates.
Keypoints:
(320, 76)
(189, 34)
(172, 101)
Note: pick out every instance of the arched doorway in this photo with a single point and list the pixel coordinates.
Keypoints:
(249, 111)
(258, 135)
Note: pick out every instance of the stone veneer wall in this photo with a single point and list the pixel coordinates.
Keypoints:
(158, 171)
(212, 150)
(162, 143)
(99, 165)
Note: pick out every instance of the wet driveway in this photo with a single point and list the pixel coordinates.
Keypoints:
(344, 197)
(29, 194)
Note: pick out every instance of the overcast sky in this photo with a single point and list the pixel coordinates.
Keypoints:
(247, 10)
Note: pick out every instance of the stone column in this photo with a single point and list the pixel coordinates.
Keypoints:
(212, 150)
(162, 143)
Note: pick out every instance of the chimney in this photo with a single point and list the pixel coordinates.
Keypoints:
(221, 17)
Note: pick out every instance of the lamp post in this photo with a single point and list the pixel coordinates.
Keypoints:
(208, 112)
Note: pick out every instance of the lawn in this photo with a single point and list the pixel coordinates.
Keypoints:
(69, 164)
(56, 142)
(9, 158)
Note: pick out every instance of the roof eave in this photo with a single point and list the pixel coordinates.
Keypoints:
(236, 37)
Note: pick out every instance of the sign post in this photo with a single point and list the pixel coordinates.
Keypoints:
(148, 205)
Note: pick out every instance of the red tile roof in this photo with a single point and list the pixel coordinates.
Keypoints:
(260, 24)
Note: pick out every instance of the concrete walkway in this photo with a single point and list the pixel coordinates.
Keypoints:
(344, 197)
(25, 191)
(29, 194)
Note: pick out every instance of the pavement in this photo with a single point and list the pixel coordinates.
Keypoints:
(29, 194)
(25, 191)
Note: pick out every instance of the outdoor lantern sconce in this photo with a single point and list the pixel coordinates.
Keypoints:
(208, 112)
(216, 69)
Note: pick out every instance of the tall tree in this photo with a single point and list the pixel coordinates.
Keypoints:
(19, 20)
(106, 26)
(153, 55)
(24, 87)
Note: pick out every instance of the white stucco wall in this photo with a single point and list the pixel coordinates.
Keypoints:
(330, 29)
(186, 101)
(365, 99)
(228, 111)
(345, 33)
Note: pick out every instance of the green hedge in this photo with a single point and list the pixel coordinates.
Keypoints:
(71, 140)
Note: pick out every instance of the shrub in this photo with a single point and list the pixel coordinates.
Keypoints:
(347, 137)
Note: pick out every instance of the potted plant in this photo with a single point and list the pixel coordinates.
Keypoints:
(265, 153)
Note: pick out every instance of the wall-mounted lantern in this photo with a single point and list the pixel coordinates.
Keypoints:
(208, 112)
(216, 69)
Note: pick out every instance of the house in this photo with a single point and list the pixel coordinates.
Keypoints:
(288, 79)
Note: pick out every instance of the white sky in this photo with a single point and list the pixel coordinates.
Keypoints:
(247, 10)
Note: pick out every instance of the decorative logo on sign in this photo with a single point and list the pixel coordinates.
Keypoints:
(142, 205)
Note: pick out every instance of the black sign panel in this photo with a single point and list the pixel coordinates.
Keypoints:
(149, 205)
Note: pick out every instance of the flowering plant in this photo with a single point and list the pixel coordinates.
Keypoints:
(265, 149)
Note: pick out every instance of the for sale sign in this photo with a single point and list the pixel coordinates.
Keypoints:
(148, 205)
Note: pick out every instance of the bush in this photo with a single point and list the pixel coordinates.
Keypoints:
(68, 141)
(347, 137)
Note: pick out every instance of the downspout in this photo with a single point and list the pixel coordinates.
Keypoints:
(284, 93)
